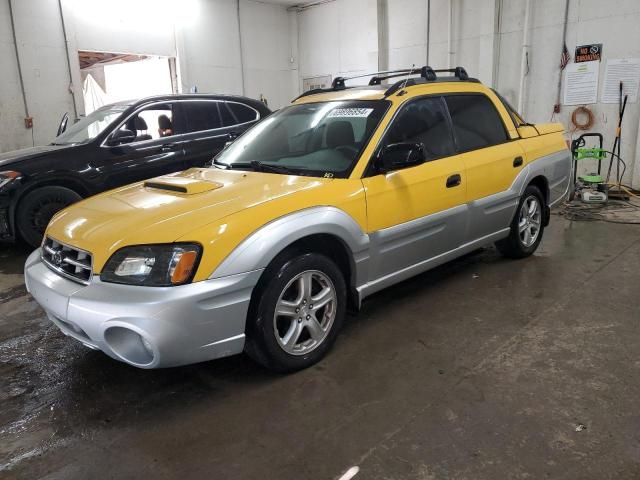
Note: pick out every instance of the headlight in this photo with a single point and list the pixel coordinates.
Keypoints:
(8, 176)
(153, 265)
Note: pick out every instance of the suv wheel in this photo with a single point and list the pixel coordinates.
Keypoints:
(299, 313)
(36, 209)
(527, 226)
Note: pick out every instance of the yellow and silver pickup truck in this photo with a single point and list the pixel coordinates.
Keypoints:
(343, 193)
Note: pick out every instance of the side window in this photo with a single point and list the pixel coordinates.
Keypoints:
(150, 123)
(241, 113)
(201, 116)
(424, 121)
(476, 122)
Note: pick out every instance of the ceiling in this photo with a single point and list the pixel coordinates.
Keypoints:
(88, 59)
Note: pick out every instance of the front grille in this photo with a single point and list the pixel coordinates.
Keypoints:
(68, 261)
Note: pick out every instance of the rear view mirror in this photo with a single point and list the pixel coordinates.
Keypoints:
(122, 136)
(397, 156)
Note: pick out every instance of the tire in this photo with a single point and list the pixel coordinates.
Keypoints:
(36, 209)
(521, 244)
(296, 339)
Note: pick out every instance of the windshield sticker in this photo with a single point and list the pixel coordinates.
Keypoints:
(350, 112)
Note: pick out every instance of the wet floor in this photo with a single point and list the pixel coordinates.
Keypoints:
(482, 369)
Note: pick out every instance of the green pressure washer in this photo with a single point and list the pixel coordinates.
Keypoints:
(592, 187)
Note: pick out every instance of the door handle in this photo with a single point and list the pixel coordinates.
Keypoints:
(167, 147)
(454, 180)
(517, 162)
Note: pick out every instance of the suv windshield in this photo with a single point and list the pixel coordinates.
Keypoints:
(89, 127)
(318, 139)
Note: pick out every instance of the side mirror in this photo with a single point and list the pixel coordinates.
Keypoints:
(397, 156)
(62, 127)
(121, 136)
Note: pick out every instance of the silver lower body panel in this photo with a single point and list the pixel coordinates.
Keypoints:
(147, 327)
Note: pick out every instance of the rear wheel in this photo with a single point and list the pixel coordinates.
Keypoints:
(299, 313)
(36, 209)
(527, 226)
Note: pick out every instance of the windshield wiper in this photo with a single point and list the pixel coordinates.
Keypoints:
(256, 166)
(216, 163)
(269, 167)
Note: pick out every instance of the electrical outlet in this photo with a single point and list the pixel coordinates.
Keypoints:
(28, 122)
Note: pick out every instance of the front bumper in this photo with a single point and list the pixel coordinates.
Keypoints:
(147, 327)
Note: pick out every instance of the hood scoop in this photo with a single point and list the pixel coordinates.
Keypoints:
(183, 185)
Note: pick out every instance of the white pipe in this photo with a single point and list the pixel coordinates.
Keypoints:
(497, 43)
(524, 57)
(450, 35)
(19, 65)
(383, 35)
(66, 50)
(428, 29)
(240, 44)
(635, 167)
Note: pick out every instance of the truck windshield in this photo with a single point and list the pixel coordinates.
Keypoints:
(89, 127)
(316, 139)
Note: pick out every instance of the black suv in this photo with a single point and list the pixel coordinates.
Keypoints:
(116, 145)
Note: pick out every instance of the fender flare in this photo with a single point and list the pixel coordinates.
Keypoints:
(260, 248)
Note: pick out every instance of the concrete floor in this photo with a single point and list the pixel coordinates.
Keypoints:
(482, 369)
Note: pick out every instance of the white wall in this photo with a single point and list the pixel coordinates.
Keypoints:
(203, 34)
(269, 55)
(46, 81)
(614, 24)
(338, 38)
(209, 49)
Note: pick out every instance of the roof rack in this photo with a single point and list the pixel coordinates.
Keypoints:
(339, 82)
(427, 74)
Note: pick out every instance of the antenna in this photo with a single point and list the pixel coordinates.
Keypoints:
(404, 84)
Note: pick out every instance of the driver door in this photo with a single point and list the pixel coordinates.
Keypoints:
(417, 213)
(152, 152)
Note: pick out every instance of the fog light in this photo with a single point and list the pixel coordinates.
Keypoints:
(129, 345)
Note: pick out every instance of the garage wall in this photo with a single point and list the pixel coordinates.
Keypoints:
(486, 38)
(614, 24)
(338, 38)
(472, 35)
(203, 34)
(269, 56)
(46, 81)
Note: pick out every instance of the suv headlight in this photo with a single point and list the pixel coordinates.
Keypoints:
(153, 265)
(7, 177)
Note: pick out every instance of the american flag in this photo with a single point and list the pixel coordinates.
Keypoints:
(565, 57)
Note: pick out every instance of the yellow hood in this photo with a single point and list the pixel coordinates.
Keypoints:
(168, 208)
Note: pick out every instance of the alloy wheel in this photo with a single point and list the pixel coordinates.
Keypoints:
(530, 220)
(305, 312)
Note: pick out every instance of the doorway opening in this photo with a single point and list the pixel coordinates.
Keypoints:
(109, 77)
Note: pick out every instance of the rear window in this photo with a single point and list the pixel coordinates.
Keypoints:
(242, 113)
(476, 122)
(201, 116)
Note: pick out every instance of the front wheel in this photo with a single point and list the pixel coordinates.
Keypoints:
(36, 209)
(527, 226)
(299, 314)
